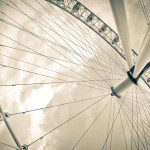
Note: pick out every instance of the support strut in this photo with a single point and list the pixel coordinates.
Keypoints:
(128, 81)
(24, 147)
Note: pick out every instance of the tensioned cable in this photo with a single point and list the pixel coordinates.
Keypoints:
(33, 50)
(98, 41)
(114, 120)
(130, 130)
(129, 109)
(36, 53)
(71, 26)
(105, 70)
(16, 59)
(137, 120)
(44, 67)
(128, 127)
(123, 130)
(109, 119)
(47, 68)
(39, 74)
(111, 134)
(92, 123)
(46, 17)
(68, 120)
(143, 127)
(37, 24)
(5, 21)
(8, 145)
(146, 110)
(135, 129)
(133, 126)
(66, 61)
(135, 106)
(56, 105)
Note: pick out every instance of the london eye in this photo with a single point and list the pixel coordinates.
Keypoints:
(70, 80)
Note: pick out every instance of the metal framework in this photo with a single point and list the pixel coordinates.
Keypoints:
(82, 13)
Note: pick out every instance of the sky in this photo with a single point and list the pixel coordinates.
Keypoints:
(42, 64)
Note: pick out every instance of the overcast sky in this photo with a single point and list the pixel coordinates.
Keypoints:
(29, 127)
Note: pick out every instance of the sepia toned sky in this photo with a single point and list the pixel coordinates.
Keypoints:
(30, 126)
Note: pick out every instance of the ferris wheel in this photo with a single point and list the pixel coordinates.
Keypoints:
(69, 81)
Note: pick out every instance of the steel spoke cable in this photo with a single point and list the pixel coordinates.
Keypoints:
(52, 82)
(39, 74)
(129, 110)
(35, 10)
(82, 30)
(70, 62)
(123, 131)
(86, 108)
(45, 76)
(108, 55)
(129, 127)
(50, 5)
(45, 68)
(36, 21)
(132, 117)
(113, 115)
(136, 112)
(135, 98)
(139, 125)
(114, 120)
(111, 74)
(56, 105)
(143, 126)
(18, 9)
(92, 123)
(142, 107)
(36, 65)
(1, 45)
(134, 106)
(130, 120)
(133, 120)
(136, 131)
(144, 93)
(91, 38)
(146, 110)
(76, 72)
(109, 120)
(137, 118)
(57, 17)
(7, 145)
(31, 49)
(18, 49)
(119, 66)
(41, 17)
(82, 75)
(76, 29)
